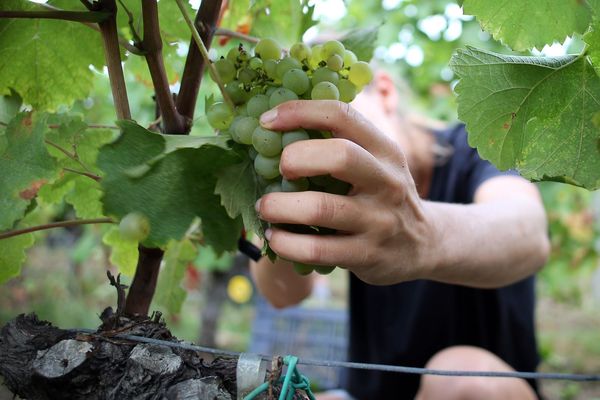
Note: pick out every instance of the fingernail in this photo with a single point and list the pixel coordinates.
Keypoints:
(257, 205)
(268, 234)
(269, 116)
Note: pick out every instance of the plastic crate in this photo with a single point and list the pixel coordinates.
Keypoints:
(304, 332)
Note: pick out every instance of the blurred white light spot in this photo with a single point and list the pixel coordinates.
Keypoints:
(433, 26)
(484, 36)
(329, 10)
(390, 4)
(195, 4)
(397, 51)
(411, 10)
(414, 56)
(446, 74)
(454, 30)
(311, 34)
(556, 49)
(380, 52)
(453, 11)
(406, 35)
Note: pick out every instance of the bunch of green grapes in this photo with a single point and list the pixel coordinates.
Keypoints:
(261, 81)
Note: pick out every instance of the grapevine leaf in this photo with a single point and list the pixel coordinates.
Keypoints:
(592, 38)
(532, 113)
(238, 187)
(124, 252)
(169, 292)
(171, 190)
(12, 255)
(362, 42)
(25, 166)
(523, 25)
(31, 51)
(9, 106)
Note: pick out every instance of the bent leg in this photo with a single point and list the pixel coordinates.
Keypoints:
(468, 358)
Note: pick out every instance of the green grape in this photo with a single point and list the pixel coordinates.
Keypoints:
(252, 152)
(258, 105)
(325, 91)
(324, 269)
(273, 187)
(324, 74)
(296, 80)
(232, 55)
(267, 167)
(134, 226)
(297, 185)
(349, 58)
(255, 63)
(281, 95)
(266, 142)
(226, 70)
(268, 49)
(360, 74)
(315, 56)
(247, 75)
(347, 90)
(219, 116)
(285, 65)
(270, 90)
(293, 136)
(232, 129)
(235, 92)
(303, 269)
(244, 128)
(255, 90)
(300, 51)
(335, 63)
(332, 47)
(270, 67)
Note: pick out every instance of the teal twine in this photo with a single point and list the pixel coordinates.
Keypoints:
(292, 381)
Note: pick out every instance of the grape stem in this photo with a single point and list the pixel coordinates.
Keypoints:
(211, 68)
(237, 35)
(61, 224)
(72, 156)
(88, 174)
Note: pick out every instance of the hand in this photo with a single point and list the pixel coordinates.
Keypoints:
(384, 234)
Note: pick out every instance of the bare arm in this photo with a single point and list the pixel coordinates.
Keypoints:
(279, 283)
(498, 240)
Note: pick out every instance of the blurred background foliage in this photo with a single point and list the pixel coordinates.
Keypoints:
(64, 279)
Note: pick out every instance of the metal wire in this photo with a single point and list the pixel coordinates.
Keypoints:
(371, 367)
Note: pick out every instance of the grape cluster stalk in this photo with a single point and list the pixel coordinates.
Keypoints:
(261, 81)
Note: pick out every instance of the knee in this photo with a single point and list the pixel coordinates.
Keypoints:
(462, 358)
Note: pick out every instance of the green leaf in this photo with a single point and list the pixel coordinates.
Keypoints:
(362, 42)
(177, 188)
(9, 106)
(169, 292)
(522, 24)
(532, 113)
(46, 61)
(12, 255)
(208, 260)
(592, 38)
(124, 252)
(25, 165)
(239, 189)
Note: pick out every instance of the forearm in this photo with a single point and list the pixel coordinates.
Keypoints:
(489, 244)
(279, 283)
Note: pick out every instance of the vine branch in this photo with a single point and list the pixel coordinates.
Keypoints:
(237, 35)
(77, 16)
(88, 174)
(152, 44)
(110, 39)
(61, 224)
(205, 22)
(204, 52)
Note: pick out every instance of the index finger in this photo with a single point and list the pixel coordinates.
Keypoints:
(339, 118)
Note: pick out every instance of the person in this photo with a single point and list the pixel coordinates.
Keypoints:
(441, 248)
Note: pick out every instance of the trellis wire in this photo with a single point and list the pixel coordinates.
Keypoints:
(357, 365)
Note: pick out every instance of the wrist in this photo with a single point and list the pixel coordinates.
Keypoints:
(433, 254)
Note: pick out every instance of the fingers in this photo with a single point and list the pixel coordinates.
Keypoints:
(330, 115)
(344, 251)
(313, 209)
(340, 158)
